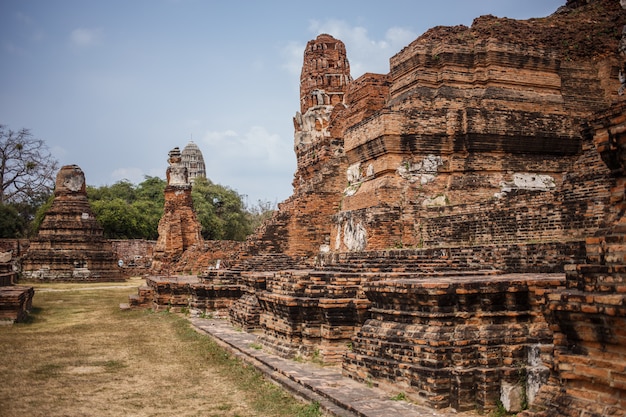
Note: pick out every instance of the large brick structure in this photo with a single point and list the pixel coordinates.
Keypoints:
(455, 229)
(70, 243)
(179, 228)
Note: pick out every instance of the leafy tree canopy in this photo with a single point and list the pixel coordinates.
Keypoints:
(220, 210)
(128, 211)
(11, 223)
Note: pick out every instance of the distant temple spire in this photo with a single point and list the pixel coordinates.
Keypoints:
(194, 161)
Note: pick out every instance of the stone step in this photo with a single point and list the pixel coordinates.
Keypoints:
(15, 303)
(337, 394)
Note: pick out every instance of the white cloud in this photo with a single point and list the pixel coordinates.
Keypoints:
(257, 149)
(83, 37)
(364, 53)
(293, 54)
(132, 174)
(253, 163)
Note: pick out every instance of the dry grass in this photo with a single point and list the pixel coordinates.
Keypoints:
(81, 356)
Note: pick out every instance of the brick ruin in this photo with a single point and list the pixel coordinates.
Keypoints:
(16, 301)
(70, 244)
(179, 228)
(455, 230)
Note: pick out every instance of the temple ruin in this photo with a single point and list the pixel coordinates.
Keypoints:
(178, 228)
(70, 245)
(192, 159)
(16, 301)
(456, 226)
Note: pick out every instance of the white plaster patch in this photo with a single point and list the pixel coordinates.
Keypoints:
(537, 373)
(530, 181)
(354, 236)
(81, 272)
(527, 181)
(438, 201)
(353, 173)
(74, 182)
(511, 397)
(424, 171)
(312, 125)
(370, 170)
(351, 189)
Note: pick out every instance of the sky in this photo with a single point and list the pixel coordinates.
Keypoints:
(112, 86)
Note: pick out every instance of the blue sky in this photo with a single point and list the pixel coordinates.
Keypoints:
(113, 85)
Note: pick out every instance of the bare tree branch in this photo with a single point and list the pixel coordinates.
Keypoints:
(27, 168)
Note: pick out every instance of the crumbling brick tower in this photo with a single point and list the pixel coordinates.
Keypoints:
(70, 244)
(179, 228)
(302, 224)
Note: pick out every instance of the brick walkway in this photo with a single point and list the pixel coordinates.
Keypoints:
(338, 395)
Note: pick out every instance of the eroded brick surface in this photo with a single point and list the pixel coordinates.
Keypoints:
(70, 245)
(456, 227)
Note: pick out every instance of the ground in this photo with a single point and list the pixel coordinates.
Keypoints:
(80, 355)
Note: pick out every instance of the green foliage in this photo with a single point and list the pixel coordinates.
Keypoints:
(260, 213)
(11, 224)
(40, 214)
(311, 410)
(120, 219)
(400, 397)
(500, 411)
(126, 211)
(220, 210)
(30, 213)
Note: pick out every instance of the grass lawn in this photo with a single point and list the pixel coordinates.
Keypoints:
(80, 355)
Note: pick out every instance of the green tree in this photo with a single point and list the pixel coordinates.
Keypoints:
(257, 214)
(150, 213)
(119, 219)
(11, 223)
(126, 211)
(40, 214)
(220, 211)
(152, 189)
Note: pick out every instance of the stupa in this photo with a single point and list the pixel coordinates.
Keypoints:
(70, 244)
(192, 159)
(179, 228)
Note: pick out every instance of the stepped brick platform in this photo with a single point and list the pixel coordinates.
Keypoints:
(217, 291)
(70, 245)
(453, 341)
(480, 155)
(541, 257)
(588, 315)
(143, 298)
(16, 301)
(311, 313)
(337, 395)
(246, 311)
(212, 292)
